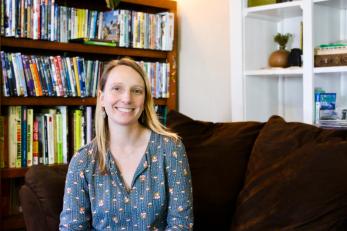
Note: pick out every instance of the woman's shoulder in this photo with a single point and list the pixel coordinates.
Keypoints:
(84, 157)
(167, 143)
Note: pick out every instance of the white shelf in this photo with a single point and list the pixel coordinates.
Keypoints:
(285, 91)
(276, 71)
(276, 12)
(339, 4)
(336, 69)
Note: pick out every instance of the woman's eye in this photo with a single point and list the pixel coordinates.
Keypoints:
(138, 91)
(116, 88)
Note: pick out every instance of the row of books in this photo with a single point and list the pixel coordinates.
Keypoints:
(46, 20)
(33, 75)
(42, 136)
(139, 29)
(32, 136)
(159, 78)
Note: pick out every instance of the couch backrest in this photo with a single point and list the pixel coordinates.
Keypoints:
(295, 180)
(218, 154)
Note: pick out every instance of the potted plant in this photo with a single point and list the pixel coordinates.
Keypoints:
(279, 58)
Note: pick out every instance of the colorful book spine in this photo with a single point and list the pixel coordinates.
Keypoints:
(5, 81)
(24, 123)
(19, 136)
(36, 142)
(59, 129)
(30, 119)
(12, 133)
(77, 81)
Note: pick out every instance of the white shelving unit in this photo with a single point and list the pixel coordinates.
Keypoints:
(259, 91)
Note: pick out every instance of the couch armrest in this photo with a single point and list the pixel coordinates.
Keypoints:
(42, 196)
(32, 211)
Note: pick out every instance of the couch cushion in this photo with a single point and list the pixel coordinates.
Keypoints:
(218, 155)
(296, 179)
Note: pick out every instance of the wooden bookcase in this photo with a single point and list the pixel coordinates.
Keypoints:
(10, 44)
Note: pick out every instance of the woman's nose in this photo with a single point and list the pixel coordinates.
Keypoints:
(126, 96)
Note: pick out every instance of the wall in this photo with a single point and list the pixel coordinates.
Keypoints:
(204, 50)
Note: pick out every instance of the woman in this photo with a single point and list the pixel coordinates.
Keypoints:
(134, 175)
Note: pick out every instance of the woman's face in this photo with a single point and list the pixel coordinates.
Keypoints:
(124, 96)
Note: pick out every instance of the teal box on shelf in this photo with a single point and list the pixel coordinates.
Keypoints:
(260, 2)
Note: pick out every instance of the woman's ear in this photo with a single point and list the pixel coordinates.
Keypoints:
(101, 98)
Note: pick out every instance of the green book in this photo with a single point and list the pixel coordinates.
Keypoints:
(96, 42)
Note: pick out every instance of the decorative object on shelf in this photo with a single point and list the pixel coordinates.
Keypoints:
(279, 58)
(294, 57)
(332, 54)
(112, 4)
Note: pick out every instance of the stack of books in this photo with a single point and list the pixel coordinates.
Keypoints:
(332, 54)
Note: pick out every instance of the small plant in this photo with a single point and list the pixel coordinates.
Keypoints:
(282, 39)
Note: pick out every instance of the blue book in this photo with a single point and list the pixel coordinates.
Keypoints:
(6, 83)
(24, 136)
(81, 75)
(327, 101)
(327, 106)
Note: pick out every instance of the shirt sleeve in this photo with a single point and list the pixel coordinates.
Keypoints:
(180, 207)
(76, 213)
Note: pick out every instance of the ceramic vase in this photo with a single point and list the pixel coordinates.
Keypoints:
(279, 58)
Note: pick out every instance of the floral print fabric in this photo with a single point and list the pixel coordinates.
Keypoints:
(160, 197)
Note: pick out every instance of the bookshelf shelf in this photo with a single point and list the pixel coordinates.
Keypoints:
(276, 11)
(336, 69)
(339, 4)
(79, 48)
(276, 71)
(170, 5)
(47, 101)
(57, 101)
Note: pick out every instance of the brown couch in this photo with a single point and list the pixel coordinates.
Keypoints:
(246, 176)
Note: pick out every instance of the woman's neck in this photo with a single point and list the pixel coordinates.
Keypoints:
(123, 136)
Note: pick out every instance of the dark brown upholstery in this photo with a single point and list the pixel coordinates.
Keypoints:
(296, 180)
(218, 154)
(272, 176)
(41, 197)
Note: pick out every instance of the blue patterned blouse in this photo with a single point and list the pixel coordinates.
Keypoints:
(160, 197)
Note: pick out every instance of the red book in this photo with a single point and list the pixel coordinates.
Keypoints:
(36, 142)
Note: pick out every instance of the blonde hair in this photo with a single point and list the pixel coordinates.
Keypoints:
(148, 118)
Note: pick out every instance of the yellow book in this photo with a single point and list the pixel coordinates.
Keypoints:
(59, 138)
(18, 129)
(53, 112)
(75, 68)
(30, 125)
(12, 134)
(77, 129)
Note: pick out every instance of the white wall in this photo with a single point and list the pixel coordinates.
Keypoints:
(204, 59)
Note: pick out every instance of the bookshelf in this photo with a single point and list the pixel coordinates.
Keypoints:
(259, 91)
(52, 48)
